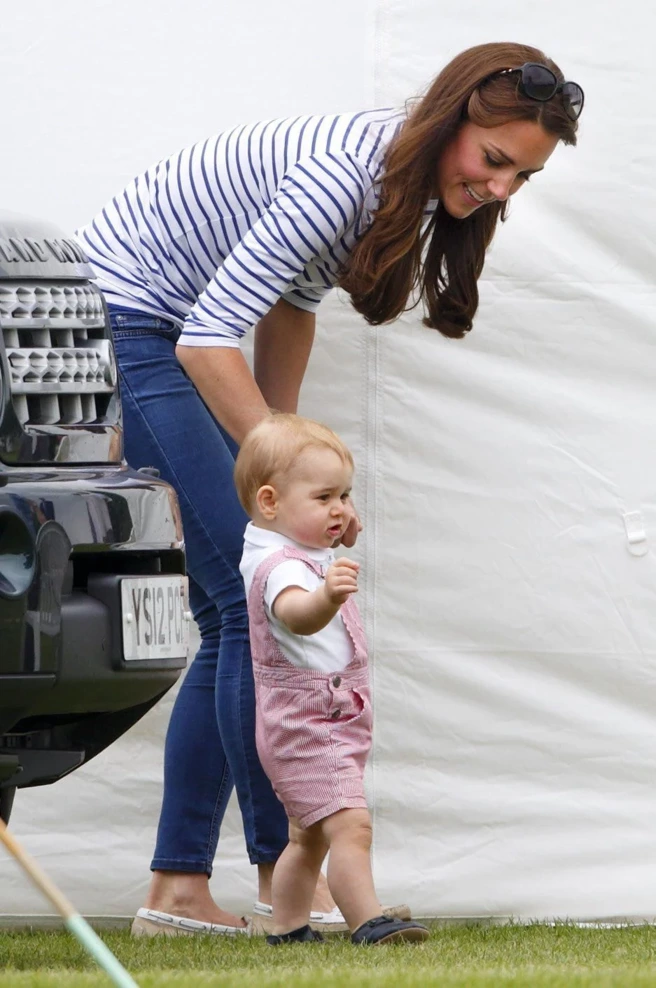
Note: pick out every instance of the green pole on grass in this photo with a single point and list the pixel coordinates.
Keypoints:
(74, 922)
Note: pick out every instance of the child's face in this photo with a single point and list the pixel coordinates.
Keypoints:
(313, 504)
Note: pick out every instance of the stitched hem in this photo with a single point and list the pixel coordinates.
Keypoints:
(341, 803)
(179, 864)
(257, 857)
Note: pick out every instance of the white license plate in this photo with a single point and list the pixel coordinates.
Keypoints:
(156, 617)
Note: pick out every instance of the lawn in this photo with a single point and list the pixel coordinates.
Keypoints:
(454, 957)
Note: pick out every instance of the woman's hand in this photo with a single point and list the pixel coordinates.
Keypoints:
(353, 529)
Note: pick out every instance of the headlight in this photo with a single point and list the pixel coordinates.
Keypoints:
(17, 555)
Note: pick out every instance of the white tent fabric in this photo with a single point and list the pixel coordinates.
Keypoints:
(507, 482)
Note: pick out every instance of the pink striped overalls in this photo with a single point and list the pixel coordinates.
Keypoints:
(312, 728)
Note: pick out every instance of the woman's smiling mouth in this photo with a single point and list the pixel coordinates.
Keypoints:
(478, 199)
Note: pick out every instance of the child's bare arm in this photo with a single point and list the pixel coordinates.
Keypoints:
(305, 612)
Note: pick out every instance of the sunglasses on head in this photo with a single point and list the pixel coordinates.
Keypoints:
(538, 82)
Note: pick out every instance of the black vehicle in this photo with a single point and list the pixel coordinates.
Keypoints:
(94, 622)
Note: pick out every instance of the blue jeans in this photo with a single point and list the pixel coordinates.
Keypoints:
(211, 735)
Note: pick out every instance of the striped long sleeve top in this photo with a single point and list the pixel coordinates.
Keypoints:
(213, 236)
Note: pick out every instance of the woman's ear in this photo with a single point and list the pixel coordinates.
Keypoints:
(266, 500)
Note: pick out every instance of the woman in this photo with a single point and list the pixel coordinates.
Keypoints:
(253, 228)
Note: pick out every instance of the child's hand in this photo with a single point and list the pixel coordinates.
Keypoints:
(341, 580)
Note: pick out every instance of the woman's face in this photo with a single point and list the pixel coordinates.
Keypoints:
(489, 164)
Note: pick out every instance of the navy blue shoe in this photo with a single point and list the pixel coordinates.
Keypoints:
(304, 934)
(380, 929)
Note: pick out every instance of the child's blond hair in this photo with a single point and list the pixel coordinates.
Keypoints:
(269, 450)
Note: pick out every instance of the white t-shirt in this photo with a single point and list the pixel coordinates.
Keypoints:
(329, 650)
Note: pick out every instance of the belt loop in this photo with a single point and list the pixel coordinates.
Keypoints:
(636, 536)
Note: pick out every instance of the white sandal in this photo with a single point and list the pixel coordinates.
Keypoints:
(334, 916)
(151, 923)
(330, 922)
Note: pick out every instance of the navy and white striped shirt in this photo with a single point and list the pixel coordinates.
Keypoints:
(213, 236)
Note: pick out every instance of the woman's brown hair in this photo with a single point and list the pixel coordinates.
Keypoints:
(395, 260)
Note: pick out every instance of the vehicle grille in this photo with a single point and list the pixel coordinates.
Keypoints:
(60, 358)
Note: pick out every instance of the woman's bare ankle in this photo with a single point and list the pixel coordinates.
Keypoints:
(322, 901)
(187, 894)
(264, 880)
(176, 887)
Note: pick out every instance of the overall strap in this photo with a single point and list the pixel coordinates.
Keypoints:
(350, 614)
(260, 630)
(265, 650)
(275, 559)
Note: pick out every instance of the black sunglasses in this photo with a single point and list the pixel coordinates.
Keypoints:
(538, 82)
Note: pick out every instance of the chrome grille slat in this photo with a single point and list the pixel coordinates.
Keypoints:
(85, 389)
(60, 358)
(76, 305)
(70, 369)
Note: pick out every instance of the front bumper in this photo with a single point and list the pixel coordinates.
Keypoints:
(63, 695)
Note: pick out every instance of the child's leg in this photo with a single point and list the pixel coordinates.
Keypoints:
(295, 877)
(348, 833)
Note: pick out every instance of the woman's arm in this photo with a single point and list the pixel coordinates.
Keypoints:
(226, 385)
(283, 341)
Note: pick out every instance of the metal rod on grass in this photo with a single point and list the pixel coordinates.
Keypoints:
(74, 922)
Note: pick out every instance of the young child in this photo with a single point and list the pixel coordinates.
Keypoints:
(313, 720)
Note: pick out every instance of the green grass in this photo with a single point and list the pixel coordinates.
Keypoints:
(454, 957)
